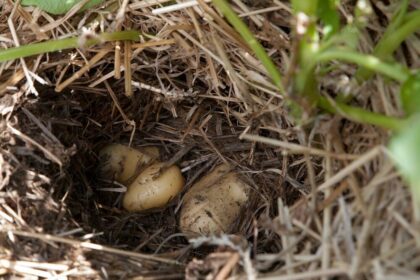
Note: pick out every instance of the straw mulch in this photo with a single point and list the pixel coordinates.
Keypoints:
(326, 200)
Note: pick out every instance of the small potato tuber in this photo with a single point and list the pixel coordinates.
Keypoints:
(153, 188)
(123, 163)
(213, 204)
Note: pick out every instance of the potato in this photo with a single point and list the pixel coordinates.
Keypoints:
(123, 163)
(213, 204)
(153, 188)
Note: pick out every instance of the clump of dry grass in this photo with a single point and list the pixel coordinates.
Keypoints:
(326, 199)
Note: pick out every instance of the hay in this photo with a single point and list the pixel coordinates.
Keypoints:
(326, 200)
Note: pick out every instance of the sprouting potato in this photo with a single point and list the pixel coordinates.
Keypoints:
(153, 188)
(213, 204)
(123, 163)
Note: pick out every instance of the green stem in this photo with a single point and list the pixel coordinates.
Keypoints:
(410, 16)
(361, 116)
(305, 79)
(67, 43)
(391, 42)
(258, 49)
(388, 44)
(353, 113)
(397, 19)
(368, 61)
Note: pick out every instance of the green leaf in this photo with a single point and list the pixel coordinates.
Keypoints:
(305, 6)
(58, 7)
(410, 94)
(405, 151)
(328, 14)
(348, 38)
(397, 19)
(66, 43)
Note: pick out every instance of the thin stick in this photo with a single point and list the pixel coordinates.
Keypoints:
(29, 140)
(82, 70)
(42, 126)
(16, 41)
(295, 148)
(176, 7)
(40, 265)
(286, 241)
(153, 43)
(201, 37)
(13, 80)
(333, 196)
(127, 66)
(364, 234)
(353, 183)
(67, 43)
(117, 55)
(26, 270)
(91, 246)
(338, 177)
(327, 216)
(146, 4)
(309, 274)
(260, 11)
(351, 167)
(117, 103)
(117, 60)
(228, 267)
(104, 78)
(252, 42)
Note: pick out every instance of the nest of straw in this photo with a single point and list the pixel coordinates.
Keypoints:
(326, 200)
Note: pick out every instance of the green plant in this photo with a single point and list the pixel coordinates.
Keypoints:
(336, 43)
(82, 41)
(57, 7)
(67, 43)
(410, 94)
(402, 25)
(405, 151)
(315, 50)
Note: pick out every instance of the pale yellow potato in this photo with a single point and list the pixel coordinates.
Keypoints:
(153, 188)
(123, 163)
(213, 204)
